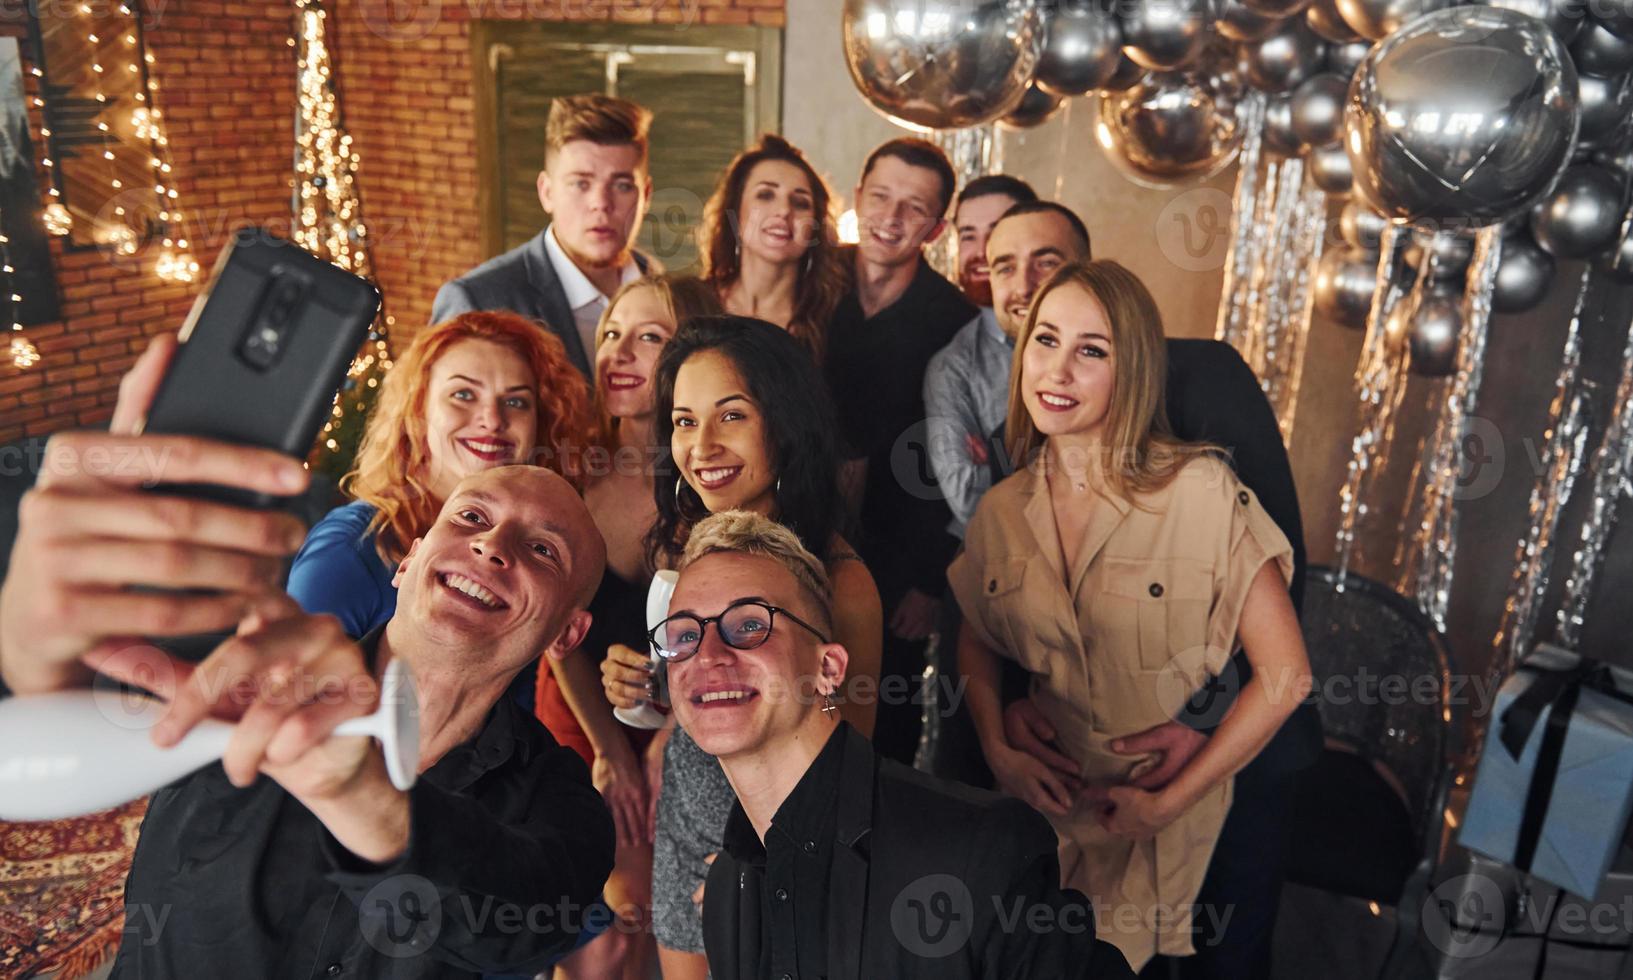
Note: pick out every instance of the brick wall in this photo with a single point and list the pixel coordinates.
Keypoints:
(406, 79)
(229, 142)
(226, 85)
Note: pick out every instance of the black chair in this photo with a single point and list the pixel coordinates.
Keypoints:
(1369, 813)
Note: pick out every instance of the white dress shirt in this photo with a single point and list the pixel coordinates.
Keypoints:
(587, 301)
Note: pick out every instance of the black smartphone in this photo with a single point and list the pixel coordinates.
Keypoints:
(263, 352)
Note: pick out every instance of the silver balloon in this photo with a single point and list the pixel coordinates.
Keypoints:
(1432, 333)
(1616, 15)
(1081, 45)
(1344, 284)
(942, 64)
(1282, 61)
(1598, 51)
(1452, 252)
(1523, 274)
(1277, 8)
(1563, 17)
(1238, 22)
(1344, 59)
(1036, 108)
(1377, 19)
(1607, 104)
(1123, 76)
(1165, 34)
(1324, 19)
(1330, 168)
(1170, 127)
(1318, 109)
(1361, 226)
(1466, 114)
(1583, 214)
(1279, 137)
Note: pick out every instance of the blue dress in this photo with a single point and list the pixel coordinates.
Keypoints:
(337, 571)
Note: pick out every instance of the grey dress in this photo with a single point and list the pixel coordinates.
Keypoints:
(692, 809)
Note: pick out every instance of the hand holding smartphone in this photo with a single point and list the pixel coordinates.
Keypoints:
(263, 352)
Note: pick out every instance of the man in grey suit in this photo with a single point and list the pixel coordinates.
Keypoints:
(595, 185)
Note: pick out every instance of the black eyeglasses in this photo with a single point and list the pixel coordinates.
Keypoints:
(744, 625)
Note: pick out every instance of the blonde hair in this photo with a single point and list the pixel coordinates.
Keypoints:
(684, 297)
(602, 119)
(747, 533)
(1142, 452)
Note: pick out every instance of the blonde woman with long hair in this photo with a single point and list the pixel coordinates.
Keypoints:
(1121, 567)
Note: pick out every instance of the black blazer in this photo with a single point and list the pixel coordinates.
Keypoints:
(925, 875)
(523, 281)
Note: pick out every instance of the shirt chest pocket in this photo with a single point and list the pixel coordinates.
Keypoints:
(1008, 615)
(1154, 609)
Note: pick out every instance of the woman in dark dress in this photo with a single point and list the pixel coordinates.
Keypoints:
(624, 762)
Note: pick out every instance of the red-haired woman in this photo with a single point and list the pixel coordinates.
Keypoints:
(484, 389)
(768, 242)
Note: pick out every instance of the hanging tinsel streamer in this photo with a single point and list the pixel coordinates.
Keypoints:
(1245, 233)
(1611, 470)
(973, 151)
(1282, 320)
(1428, 578)
(1379, 383)
(1564, 453)
(1277, 228)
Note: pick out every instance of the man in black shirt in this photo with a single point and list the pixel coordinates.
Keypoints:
(880, 342)
(323, 867)
(837, 863)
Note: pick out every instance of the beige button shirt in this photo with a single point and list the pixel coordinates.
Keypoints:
(1115, 646)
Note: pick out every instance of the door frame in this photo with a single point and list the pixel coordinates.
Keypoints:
(489, 39)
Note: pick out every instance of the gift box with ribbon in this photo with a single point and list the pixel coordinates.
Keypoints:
(1554, 787)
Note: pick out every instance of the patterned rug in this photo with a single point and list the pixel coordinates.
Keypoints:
(62, 887)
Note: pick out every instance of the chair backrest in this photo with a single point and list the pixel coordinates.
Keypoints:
(1382, 676)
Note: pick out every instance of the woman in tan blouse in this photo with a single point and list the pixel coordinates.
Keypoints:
(1121, 568)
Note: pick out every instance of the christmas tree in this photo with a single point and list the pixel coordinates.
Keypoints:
(329, 224)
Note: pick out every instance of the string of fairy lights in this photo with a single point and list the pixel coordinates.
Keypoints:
(327, 209)
(109, 56)
(328, 213)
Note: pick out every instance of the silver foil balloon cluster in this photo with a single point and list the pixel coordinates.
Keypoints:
(1465, 115)
(1171, 127)
(942, 64)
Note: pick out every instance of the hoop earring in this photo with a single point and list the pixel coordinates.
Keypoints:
(810, 254)
(680, 481)
(777, 487)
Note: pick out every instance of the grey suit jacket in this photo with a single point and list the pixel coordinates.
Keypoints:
(523, 281)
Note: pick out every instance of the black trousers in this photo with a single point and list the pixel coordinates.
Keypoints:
(1236, 909)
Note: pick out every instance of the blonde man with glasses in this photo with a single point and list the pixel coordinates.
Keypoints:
(838, 863)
